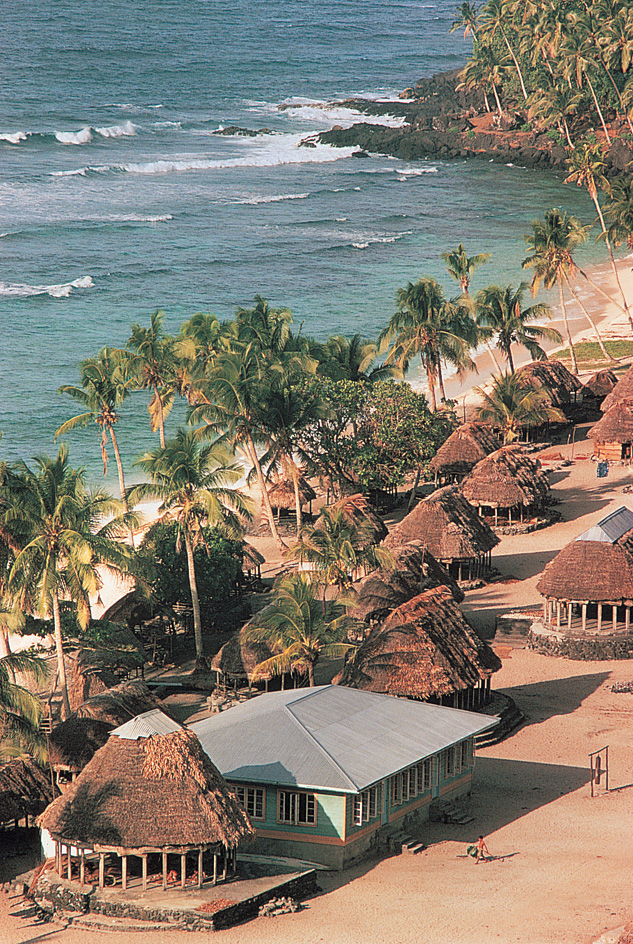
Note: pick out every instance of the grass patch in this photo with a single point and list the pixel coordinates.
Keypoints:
(589, 353)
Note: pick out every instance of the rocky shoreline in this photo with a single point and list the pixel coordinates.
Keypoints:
(441, 122)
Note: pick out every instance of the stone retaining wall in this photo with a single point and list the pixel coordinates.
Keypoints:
(584, 648)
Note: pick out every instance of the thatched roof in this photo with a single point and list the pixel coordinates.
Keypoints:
(559, 383)
(132, 607)
(623, 391)
(74, 742)
(424, 649)
(120, 703)
(464, 448)
(24, 790)
(150, 792)
(358, 510)
(596, 571)
(238, 657)
(600, 384)
(415, 570)
(251, 558)
(506, 478)
(448, 525)
(616, 426)
(282, 493)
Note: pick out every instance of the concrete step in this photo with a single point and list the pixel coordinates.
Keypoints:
(98, 922)
(412, 846)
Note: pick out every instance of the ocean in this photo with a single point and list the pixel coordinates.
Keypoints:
(119, 194)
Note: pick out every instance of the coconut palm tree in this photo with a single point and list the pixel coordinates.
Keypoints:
(486, 70)
(578, 65)
(105, 383)
(500, 312)
(299, 629)
(586, 169)
(20, 709)
(353, 359)
(512, 404)
(619, 212)
(495, 17)
(429, 327)
(553, 105)
(194, 484)
(66, 542)
(467, 15)
(154, 368)
(461, 267)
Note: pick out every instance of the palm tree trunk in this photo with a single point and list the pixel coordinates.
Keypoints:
(201, 662)
(516, 63)
(252, 455)
(431, 382)
(441, 381)
(594, 197)
(609, 298)
(510, 359)
(161, 419)
(600, 115)
(414, 490)
(59, 650)
(574, 363)
(499, 108)
(605, 353)
(295, 482)
(5, 647)
(493, 356)
(311, 674)
(119, 465)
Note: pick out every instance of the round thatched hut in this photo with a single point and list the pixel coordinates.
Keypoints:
(150, 796)
(622, 392)
(73, 744)
(414, 570)
(425, 649)
(598, 387)
(453, 532)
(563, 389)
(24, 791)
(588, 586)
(613, 435)
(237, 660)
(282, 495)
(464, 448)
(508, 484)
(120, 703)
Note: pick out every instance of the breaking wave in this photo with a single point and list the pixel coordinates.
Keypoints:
(18, 290)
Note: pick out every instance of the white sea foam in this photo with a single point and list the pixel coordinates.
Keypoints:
(74, 137)
(117, 131)
(14, 137)
(335, 114)
(134, 218)
(80, 172)
(277, 198)
(18, 290)
(416, 171)
(377, 238)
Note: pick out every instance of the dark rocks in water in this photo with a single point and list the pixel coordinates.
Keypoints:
(360, 154)
(234, 131)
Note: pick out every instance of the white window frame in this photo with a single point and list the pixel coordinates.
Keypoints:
(366, 806)
(449, 763)
(467, 753)
(289, 803)
(250, 798)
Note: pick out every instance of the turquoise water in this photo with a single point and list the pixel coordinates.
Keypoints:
(117, 197)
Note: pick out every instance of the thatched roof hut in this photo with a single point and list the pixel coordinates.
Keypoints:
(550, 376)
(599, 385)
(119, 704)
(237, 659)
(132, 608)
(24, 790)
(451, 529)
(464, 448)
(148, 794)
(252, 560)
(622, 392)
(427, 650)
(74, 742)
(508, 479)
(358, 510)
(282, 493)
(613, 434)
(414, 570)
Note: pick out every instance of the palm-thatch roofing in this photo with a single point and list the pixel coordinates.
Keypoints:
(414, 570)
(149, 793)
(593, 571)
(282, 493)
(505, 479)
(616, 426)
(132, 608)
(74, 742)
(24, 790)
(358, 510)
(120, 703)
(448, 525)
(623, 391)
(464, 448)
(239, 656)
(251, 558)
(424, 649)
(600, 384)
(553, 378)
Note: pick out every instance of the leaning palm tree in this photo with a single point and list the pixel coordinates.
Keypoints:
(619, 212)
(154, 368)
(299, 629)
(500, 314)
(512, 404)
(495, 18)
(194, 484)
(20, 709)
(66, 542)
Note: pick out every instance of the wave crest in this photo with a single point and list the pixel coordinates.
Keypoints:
(19, 290)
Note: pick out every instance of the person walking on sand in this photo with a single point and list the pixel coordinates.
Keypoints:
(482, 850)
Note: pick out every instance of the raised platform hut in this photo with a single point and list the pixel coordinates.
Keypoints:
(612, 436)
(563, 388)
(464, 448)
(452, 530)
(150, 793)
(622, 392)
(282, 495)
(507, 487)
(237, 660)
(598, 387)
(25, 791)
(426, 650)
(588, 586)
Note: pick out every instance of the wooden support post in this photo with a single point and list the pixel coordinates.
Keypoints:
(510, 517)
(215, 868)
(496, 516)
(584, 617)
(164, 871)
(183, 869)
(144, 867)
(544, 611)
(57, 857)
(82, 866)
(599, 617)
(558, 614)
(200, 868)
(459, 573)
(124, 872)
(614, 618)
(101, 869)
(570, 610)
(224, 858)
(69, 866)
(627, 619)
